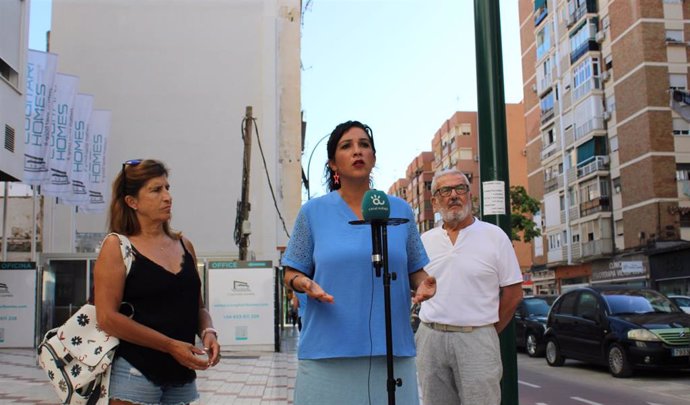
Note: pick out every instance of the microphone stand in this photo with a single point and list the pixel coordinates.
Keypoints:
(380, 237)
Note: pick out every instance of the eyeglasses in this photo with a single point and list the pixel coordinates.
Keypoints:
(132, 162)
(460, 189)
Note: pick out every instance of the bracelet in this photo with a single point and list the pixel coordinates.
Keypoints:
(208, 330)
(292, 285)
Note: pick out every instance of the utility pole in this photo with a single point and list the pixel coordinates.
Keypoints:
(493, 157)
(242, 225)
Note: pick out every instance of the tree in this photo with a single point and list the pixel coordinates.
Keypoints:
(522, 208)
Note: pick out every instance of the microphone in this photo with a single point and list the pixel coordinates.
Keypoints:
(376, 209)
(375, 206)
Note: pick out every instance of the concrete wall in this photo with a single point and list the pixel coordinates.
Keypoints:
(177, 75)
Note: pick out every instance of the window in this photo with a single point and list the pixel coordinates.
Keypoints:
(677, 82)
(619, 227)
(546, 103)
(684, 219)
(576, 238)
(613, 141)
(465, 153)
(608, 62)
(466, 129)
(583, 75)
(587, 306)
(554, 241)
(568, 304)
(543, 42)
(674, 35)
(683, 171)
(680, 127)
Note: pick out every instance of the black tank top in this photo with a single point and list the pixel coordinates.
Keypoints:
(168, 303)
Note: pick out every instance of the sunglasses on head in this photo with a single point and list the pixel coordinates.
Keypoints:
(132, 162)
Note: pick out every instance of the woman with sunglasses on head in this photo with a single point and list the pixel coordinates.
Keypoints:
(156, 360)
(342, 345)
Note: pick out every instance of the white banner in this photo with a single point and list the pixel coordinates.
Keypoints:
(65, 90)
(79, 155)
(17, 308)
(41, 68)
(99, 131)
(241, 304)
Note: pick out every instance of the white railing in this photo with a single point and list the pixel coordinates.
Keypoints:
(599, 163)
(593, 124)
(597, 247)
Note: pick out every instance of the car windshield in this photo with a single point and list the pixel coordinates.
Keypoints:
(637, 302)
(538, 306)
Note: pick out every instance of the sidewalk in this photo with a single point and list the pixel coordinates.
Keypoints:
(241, 378)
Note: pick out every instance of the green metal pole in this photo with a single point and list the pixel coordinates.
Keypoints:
(493, 157)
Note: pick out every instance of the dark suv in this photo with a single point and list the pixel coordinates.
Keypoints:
(530, 323)
(622, 327)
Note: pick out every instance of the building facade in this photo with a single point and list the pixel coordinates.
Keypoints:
(606, 154)
(14, 43)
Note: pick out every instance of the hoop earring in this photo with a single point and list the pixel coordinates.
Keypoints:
(336, 178)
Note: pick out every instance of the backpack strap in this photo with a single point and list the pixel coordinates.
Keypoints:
(125, 249)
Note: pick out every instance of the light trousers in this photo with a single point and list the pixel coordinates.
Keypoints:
(462, 368)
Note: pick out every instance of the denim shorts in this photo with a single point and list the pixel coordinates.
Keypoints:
(128, 384)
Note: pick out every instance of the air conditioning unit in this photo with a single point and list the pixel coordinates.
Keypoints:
(607, 115)
(476, 158)
(534, 87)
(606, 75)
(599, 37)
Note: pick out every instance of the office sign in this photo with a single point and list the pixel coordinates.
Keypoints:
(17, 307)
(241, 303)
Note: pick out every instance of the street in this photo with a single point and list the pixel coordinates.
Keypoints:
(577, 383)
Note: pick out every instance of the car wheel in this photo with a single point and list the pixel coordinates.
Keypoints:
(553, 354)
(619, 365)
(532, 346)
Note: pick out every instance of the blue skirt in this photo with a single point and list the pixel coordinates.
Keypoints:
(354, 381)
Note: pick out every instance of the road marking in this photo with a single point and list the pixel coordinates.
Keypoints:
(529, 385)
(541, 403)
(653, 403)
(585, 401)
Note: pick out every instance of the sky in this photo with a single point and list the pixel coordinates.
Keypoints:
(403, 67)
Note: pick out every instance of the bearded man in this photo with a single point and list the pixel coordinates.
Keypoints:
(479, 285)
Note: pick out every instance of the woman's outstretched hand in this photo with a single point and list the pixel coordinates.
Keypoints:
(425, 290)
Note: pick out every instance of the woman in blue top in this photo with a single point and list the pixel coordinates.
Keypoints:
(342, 346)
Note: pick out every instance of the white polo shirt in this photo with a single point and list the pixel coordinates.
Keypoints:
(469, 274)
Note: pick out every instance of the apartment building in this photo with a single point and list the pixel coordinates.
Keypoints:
(14, 42)
(608, 151)
(456, 144)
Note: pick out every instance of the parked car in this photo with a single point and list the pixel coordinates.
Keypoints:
(530, 323)
(682, 301)
(621, 327)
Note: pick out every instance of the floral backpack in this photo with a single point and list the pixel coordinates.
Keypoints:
(77, 355)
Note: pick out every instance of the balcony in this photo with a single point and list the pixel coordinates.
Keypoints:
(544, 84)
(593, 124)
(587, 46)
(553, 183)
(547, 115)
(583, 89)
(592, 165)
(550, 149)
(596, 205)
(600, 247)
(589, 7)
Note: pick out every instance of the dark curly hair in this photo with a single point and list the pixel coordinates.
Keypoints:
(333, 140)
